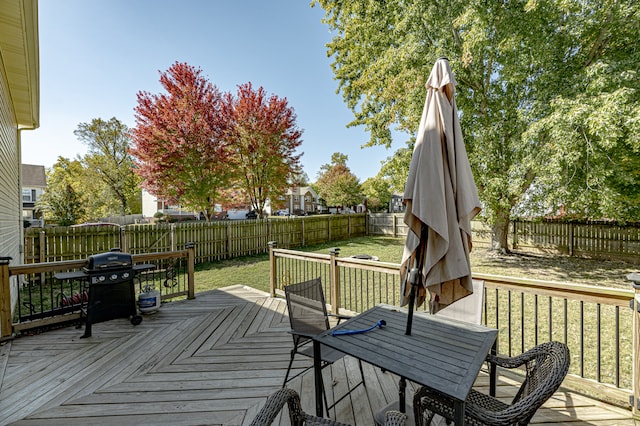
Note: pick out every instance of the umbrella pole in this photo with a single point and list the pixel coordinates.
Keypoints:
(413, 280)
(415, 277)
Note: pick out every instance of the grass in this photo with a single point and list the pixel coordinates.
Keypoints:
(254, 270)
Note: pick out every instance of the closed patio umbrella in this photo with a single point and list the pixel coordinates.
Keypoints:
(441, 199)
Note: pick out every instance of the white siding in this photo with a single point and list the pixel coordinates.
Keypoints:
(10, 193)
(11, 205)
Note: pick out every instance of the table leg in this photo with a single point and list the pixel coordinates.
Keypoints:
(317, 372)
(493, 373)
(401, 395)
(458, 415)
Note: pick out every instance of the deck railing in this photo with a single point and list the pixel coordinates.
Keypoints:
(43, 300)
(595, 322)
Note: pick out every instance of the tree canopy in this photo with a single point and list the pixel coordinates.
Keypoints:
(109, 161)
(336, 185)
(102, 183)
(390, 180)
(64, 199)
(264, 135)
(178, 141)
(543, 85)
(198, 147)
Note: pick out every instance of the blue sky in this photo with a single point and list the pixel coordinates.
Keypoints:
(96, 55)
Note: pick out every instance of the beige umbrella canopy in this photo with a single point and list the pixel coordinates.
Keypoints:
(441, 199)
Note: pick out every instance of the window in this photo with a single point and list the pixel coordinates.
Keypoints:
(29, 195)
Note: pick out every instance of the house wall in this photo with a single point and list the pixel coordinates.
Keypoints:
(149, 204)
(19, 110)
(10, 193)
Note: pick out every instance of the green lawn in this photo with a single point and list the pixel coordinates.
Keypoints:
(254, 270)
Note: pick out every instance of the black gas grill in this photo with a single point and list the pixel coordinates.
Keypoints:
(109, 277)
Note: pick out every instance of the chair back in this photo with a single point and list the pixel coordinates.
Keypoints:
(545, 372)
(469, 308)
(307, 308)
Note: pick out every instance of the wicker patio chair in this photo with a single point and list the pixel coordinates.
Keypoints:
(546, 367)
(308, 317)
(276, 401)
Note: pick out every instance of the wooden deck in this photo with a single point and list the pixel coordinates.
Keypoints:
(212, 360)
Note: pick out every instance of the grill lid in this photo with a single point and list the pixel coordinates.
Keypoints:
(109, 260)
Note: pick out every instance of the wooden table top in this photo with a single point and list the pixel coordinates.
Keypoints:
(441, 353)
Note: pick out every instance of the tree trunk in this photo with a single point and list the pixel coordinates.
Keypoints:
(123, 204)
(500, 232)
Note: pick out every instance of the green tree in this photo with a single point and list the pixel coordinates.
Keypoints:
(299, 178)
(64, 199)
(336, 185)
(519, 65)
(377, 193)
(109, 160)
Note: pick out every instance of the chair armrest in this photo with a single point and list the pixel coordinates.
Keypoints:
(340, 317)
(302, 334)
(511, 362)
(395, 418)
(274, 404)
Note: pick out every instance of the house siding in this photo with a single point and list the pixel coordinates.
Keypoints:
(10, 194)
(19, 109)
(11, 206)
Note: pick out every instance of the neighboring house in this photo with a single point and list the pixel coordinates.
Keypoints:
(152, 205)
(34, 181)
(19, 110)
(301, 199)
(395, 204)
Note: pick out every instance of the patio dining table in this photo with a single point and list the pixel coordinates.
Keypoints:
(441, 353)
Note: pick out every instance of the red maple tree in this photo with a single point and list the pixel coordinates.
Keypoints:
(265, 136)
(178, 142)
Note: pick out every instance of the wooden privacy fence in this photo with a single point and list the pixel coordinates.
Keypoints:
(392, 224)
(597, 239)
(213, 240)
(597, 323)
(594, 239)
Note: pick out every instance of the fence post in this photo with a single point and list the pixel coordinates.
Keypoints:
(334, 280)
(366, 223)
(228, 240)
(6, 329)
(42, 252)
(124, 244)
(634, 399)
(273, 273)
(395, 225)
(42, 241)
(174, 246)
(329, 228)
(191, 264)
(571, 239)
(515, 234)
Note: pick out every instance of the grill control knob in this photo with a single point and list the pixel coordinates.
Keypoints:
(113, 277)
(102, 278)
(125, 275)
